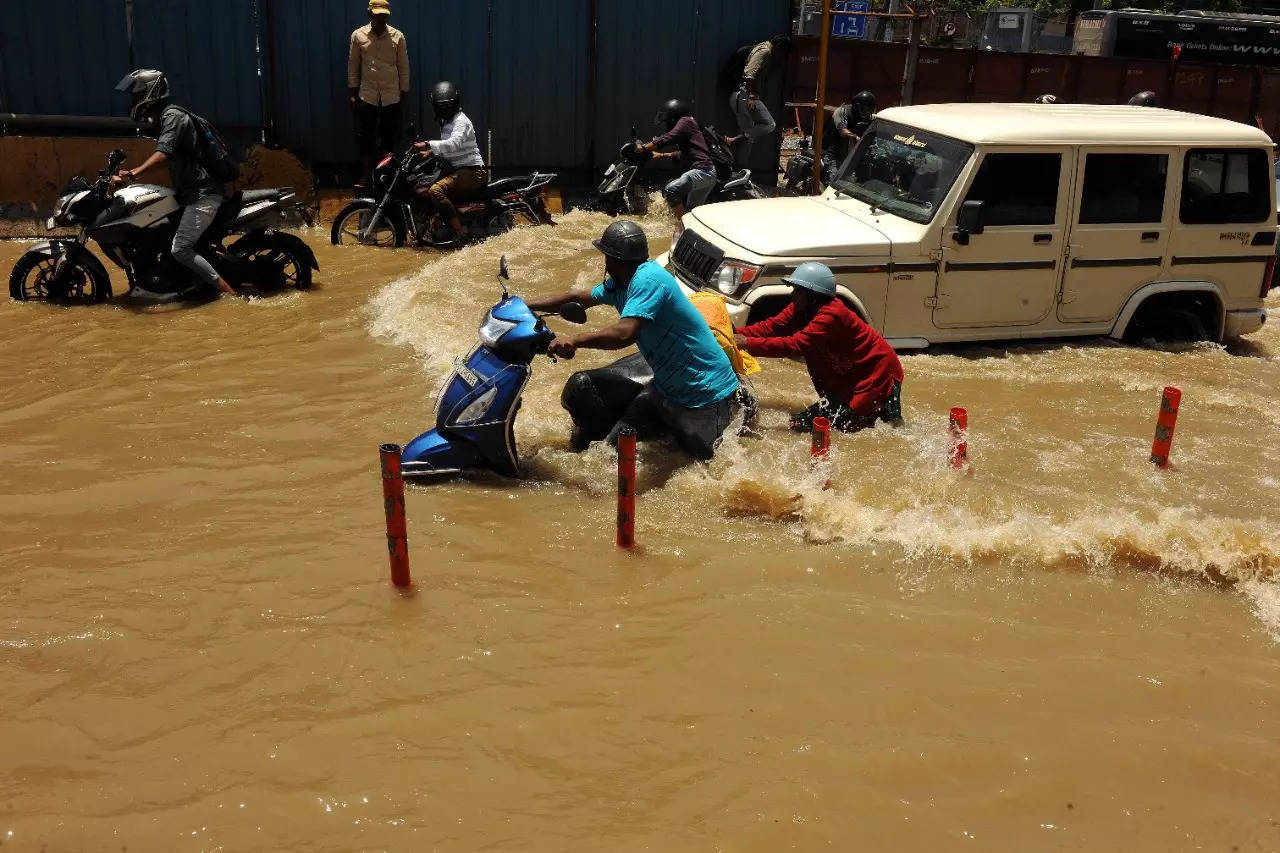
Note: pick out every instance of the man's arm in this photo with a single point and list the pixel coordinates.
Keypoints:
(778, 324)
(128, 176)
(620, 335)
(789, 346)
(402, 64)
(553, 303)
(353, 71)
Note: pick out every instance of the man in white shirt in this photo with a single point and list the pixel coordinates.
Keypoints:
(378, 78)
(458, 146)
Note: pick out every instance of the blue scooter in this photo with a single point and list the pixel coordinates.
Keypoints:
(476, 411)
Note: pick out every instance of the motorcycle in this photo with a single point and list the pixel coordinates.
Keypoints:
(395, 211)
(618, 193)
(476, 410)
(134, 227)
(798, 176)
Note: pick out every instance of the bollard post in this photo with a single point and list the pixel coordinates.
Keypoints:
(393, 503)
(820, 438)
(1166, 419)
(626, 488)
(958, 429)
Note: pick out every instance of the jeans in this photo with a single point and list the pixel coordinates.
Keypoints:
(697, 431)
(196, 219)
(690, 189)
(465, 183)
(377, 128)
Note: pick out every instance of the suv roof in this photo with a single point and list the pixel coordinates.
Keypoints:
(1074, 124)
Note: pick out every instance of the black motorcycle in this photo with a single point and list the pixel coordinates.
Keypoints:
(396, 211)
(619, 193)
(134, 227)
(797, 178)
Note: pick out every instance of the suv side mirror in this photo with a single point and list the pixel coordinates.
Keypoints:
(968, 221)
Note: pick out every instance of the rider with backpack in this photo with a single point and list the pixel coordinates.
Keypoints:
(695, 153)
(200, 166)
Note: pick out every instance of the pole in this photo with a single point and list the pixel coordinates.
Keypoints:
(958, 429)
(820, 440)
(1166, 420)
(393, 504)
(626, 488)
(824, 43)
(913, 60)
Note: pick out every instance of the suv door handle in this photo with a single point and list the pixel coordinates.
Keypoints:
(1042, 239)
(1150, 236)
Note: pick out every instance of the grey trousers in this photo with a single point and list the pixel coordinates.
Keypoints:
(196, 219)
(697, 431)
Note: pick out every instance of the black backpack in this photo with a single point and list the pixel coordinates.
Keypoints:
(731, 71)
(718, 148)
(215, 154)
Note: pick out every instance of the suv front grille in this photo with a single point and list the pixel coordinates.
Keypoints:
(696, 258)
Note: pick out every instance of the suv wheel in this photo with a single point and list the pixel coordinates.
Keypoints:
(1169, 321)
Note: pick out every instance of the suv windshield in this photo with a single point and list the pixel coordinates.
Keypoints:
(902, 170)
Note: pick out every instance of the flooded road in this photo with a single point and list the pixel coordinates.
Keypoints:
(1065, 650)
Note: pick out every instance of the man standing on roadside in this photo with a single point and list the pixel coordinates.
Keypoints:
(378, 77)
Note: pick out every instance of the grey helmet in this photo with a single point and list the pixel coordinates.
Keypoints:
(148, 90)
(864, 103)
(1047, 99)
(446, 101)
(814, 276)
(624, 241)
(1144, 99)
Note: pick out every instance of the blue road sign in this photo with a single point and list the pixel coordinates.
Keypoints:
(848, 26)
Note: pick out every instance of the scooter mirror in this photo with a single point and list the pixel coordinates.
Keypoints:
(502, 269)
(573, 312)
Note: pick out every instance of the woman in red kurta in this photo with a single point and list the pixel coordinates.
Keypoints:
(856, 373)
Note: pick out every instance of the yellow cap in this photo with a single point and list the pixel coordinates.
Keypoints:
(379, 7)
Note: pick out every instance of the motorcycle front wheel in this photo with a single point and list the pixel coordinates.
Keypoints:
(33, 274)
(350, 224)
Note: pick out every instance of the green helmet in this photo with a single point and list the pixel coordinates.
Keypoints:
(814, 276)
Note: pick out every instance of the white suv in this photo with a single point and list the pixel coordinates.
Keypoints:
(965, 222)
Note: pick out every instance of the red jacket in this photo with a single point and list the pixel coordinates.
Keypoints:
(848, 360)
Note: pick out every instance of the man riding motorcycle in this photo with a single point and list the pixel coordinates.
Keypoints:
(459, 148)
(179, 146)
(699, 178)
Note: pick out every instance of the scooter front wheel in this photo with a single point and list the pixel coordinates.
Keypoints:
(350, 224)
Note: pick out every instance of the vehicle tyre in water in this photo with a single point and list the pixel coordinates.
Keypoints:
(277, 264)
(1167, 323)
(509, 220)
(349, 224)
(32, 278)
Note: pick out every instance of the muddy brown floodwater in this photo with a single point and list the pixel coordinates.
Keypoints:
(1066, 650)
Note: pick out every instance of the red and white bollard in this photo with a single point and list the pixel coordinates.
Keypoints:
(1166, 420)
(626, 488)
(820, 439)
(958, 429)
(393, 503)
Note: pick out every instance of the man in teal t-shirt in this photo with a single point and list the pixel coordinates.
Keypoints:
(694, 392)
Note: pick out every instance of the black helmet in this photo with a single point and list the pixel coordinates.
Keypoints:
(148, 90)
(1144, 99)
(865, 102)
(672, 111)
(625, 241)
(1047, 99)
(445, 101)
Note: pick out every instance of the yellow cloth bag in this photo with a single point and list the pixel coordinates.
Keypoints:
(712, 308)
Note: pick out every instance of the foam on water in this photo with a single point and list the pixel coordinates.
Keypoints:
(1059, 438)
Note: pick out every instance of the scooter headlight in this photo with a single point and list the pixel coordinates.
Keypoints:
(492, 329)
(731, 276)
(477, 408)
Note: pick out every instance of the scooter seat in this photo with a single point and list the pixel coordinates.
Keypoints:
(251, 196)
(508, 185)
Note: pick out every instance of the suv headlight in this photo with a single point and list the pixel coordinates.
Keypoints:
(492, 329)
(731, 276)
